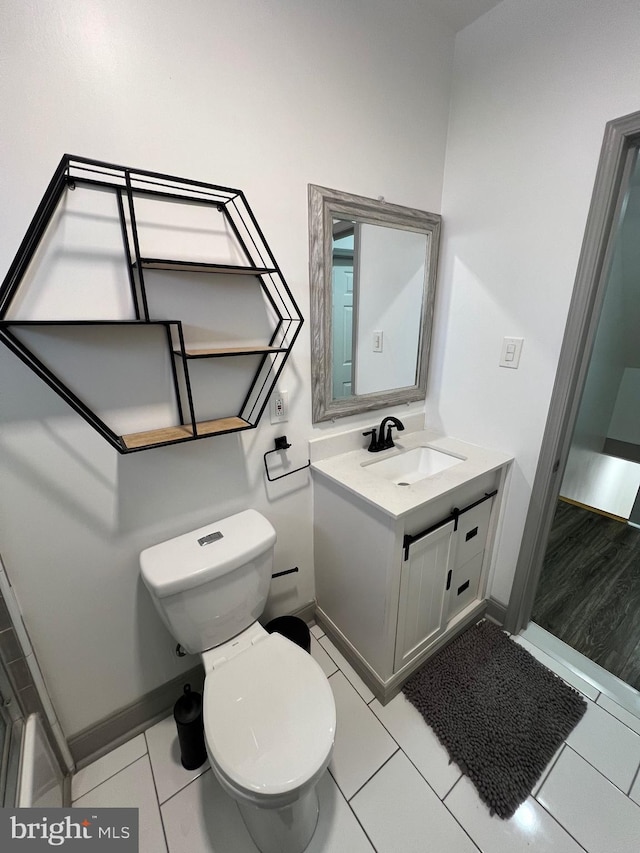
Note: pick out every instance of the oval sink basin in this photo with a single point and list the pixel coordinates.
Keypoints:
(414, 465)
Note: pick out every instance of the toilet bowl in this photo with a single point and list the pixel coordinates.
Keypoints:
(269, 713)
(269, 721)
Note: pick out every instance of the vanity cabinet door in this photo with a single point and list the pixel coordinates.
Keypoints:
(422, 594)
(464, 585)
(473, 527)
(466, 569)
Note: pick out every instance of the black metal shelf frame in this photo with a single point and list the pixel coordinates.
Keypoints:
(128, 184)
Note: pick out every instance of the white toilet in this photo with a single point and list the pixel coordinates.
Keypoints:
(269, 713)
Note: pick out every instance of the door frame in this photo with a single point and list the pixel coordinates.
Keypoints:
(617, 159)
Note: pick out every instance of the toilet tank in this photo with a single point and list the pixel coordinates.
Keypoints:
(212, 583)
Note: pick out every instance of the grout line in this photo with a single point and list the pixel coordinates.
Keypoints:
(155, 788)
(335, 663)
(346, 676)
(604, 775)
(155, 784)
(153, 775)
(387, 730)
(451, 788)
(562, 827)
(203, 767)
(180, 790)
(611, 714)
(107, 778)
(375, 773)
(415, 766)
(328, 652)
(357, 819)
(463, 828)
(337, 668)
(408, 757)
(441, 800)
(633, 781)
(547, 771)
(364, 831)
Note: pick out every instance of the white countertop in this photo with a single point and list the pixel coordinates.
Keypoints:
(347, 470)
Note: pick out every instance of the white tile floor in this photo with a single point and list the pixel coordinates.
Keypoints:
(390, 787)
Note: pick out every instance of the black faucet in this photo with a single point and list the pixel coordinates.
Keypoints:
(380, 441)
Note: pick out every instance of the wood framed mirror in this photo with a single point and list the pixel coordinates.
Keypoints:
(373, 277)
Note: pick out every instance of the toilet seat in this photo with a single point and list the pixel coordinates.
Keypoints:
(269, 721)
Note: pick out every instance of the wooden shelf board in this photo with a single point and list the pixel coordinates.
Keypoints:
(166, 435)
(203, 353)
(193, 266)
(221, 425)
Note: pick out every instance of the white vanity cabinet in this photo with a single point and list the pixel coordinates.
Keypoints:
(391, 590)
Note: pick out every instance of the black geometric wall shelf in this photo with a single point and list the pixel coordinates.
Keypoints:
(151, 304)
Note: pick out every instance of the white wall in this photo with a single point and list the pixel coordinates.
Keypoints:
(625, 425)
(534, 85)
(242, 94)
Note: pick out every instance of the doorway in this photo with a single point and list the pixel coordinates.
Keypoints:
(588, 416)
(588, 594)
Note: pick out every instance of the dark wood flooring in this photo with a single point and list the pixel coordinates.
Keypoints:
(589, 590)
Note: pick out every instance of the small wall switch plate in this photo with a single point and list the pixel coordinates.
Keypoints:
(511, 349)
(377, 341)
(279, 407)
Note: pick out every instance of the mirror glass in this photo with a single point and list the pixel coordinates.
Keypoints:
(376, 328)
(373, 269)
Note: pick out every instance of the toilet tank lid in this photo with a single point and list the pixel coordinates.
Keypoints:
(206, 553)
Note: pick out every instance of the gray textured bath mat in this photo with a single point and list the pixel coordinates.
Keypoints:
(500, 714)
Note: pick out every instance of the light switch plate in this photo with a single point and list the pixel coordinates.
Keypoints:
(511, 349)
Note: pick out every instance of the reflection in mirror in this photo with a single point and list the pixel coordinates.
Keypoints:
(342, 308)
(376, 328)
(373, 269)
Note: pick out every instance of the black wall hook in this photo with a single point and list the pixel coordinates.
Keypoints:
(281, 443)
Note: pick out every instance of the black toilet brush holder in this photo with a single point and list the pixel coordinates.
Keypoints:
(187, 713)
